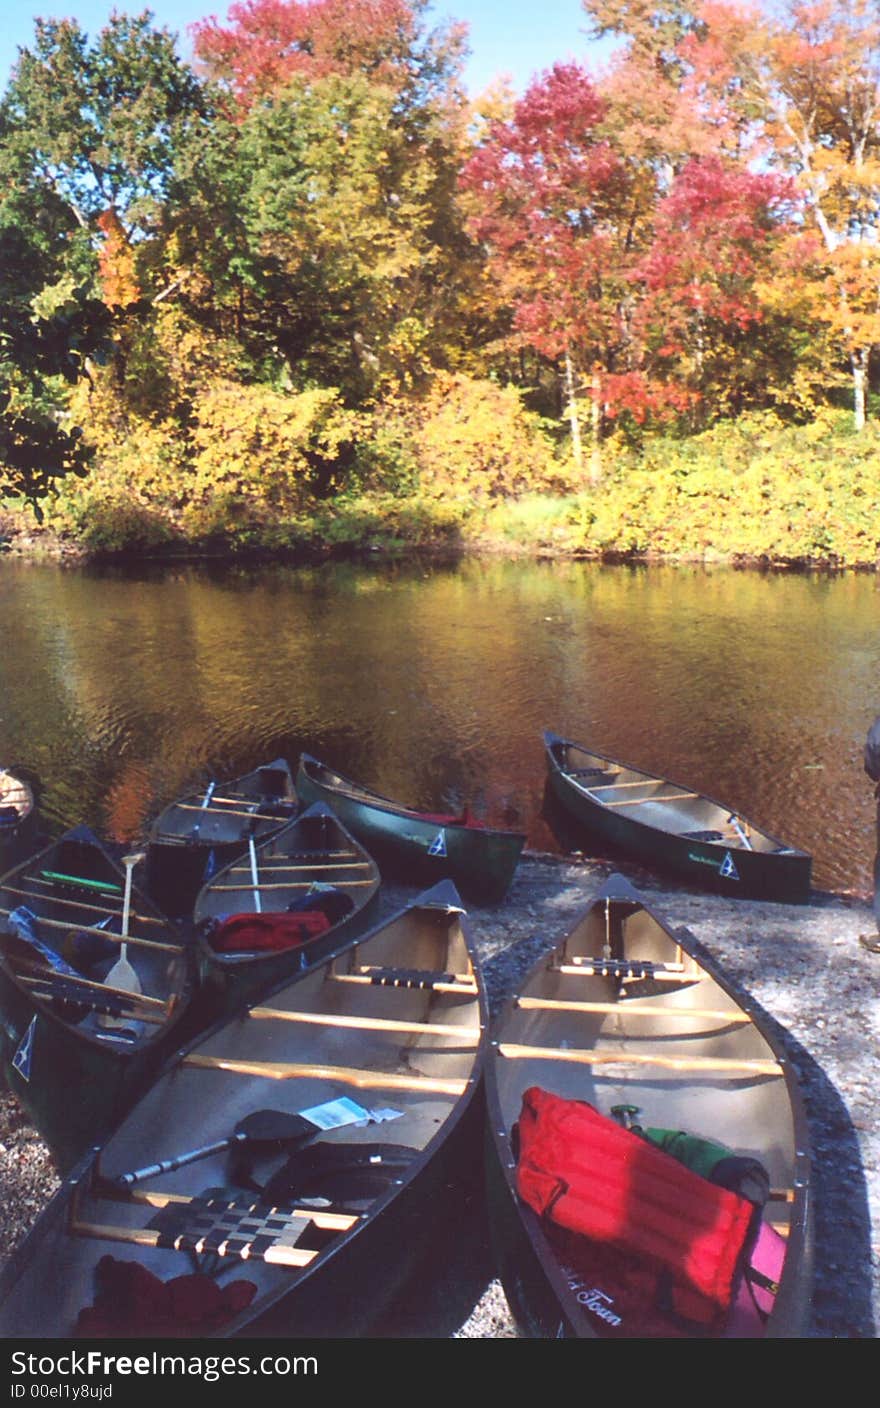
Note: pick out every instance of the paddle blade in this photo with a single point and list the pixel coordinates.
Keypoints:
(274, 1127)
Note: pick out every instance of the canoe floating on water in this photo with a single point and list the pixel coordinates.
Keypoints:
(649, 1173)
(663, 824)
(238, 1170)
(78, 1037)
(208, 828)
(280, 906)
(413, 846)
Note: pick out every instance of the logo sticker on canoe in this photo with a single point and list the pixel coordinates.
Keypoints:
(21, 1061)
(728, 869)
(438, 845)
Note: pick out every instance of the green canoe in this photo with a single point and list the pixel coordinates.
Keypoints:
(78, 1035)
(414, 846)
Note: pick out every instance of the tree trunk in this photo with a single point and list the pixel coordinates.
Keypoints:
(859, 362)
(596, 425)
(572, 412)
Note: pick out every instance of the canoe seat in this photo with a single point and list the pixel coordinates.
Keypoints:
(408, 978)
(702, 835)
(606, 774)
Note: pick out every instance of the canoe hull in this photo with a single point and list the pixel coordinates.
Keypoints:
(686, 1054)
(778, 873)
(399, 1024)
(416, 850)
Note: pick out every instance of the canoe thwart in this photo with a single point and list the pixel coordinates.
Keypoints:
(722, 1064)
(345, 1075)
(640, 801)
(632, 1009)
(366, 1024)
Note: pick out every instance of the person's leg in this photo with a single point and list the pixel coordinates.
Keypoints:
(872, 941)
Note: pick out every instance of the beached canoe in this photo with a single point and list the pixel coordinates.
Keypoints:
(280, 906)
(208, 828)
(240, 1172)
(413, 846)
(84, 1018)
(18, 815)
(663, 824)
(648, 1167)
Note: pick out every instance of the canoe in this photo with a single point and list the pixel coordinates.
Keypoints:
(281, 907)
(414, 846)
(680, 1151)
(18, 816)
(78, 1037)
(236, 1193)
(208, 828)
(664, 824)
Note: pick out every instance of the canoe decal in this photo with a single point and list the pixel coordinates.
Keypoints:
(21, 1061)
(593, 1299)
(728, 869)
(438, 845)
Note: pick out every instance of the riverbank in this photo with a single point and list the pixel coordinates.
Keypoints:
(805, 968)
(755, 491)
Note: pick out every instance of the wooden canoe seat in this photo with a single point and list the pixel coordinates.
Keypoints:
(153, 1198)
(593, 774)
(226, 1227)
(619, 968)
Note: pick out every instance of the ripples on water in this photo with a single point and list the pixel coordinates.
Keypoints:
(433, 685)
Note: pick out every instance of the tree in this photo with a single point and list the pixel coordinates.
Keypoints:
(563, 217)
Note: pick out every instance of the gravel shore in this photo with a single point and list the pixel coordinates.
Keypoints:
(805, 967)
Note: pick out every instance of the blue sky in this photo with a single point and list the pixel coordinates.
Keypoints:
(518, 37)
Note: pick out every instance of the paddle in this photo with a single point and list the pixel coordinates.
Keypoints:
(122, 974)
(254, 873)
(209, 792)
(738, 828)
(262, 1127)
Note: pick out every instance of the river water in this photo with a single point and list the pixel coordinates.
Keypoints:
(123, 689)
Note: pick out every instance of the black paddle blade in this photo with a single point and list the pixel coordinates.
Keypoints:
(273, 1127)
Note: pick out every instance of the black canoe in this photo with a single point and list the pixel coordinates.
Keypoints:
(413, 846)
(623, 1020)
(18, 815)
(77, 1042)
(210, 827)
(664, 824)
(279, 1236)
(314, 874)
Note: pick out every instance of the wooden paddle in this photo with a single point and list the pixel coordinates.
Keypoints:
(122, 975)
(271, 1127)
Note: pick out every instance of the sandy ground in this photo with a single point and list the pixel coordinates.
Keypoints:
(802, 964)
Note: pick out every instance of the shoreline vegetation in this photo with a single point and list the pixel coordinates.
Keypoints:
(751, 492)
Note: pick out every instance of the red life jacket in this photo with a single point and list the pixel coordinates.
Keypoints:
(257, 932)
(586, 1174)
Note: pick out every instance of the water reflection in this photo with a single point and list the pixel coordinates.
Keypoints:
(433, 685)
